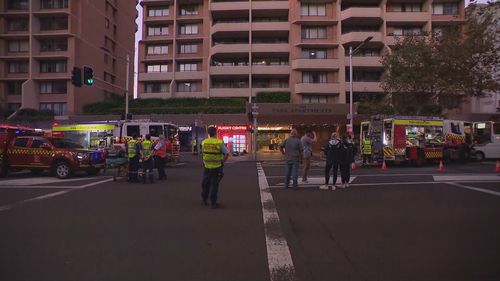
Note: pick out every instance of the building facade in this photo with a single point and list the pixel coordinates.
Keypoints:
(42, 40)
(220, 48)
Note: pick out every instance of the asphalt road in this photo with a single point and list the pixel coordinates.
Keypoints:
(402, 224)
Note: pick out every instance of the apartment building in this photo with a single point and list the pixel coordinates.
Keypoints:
(42, 40)
(221, 48)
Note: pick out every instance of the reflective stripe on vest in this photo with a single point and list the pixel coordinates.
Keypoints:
(367, 147)
(131, 148)
(212, 153)
(146, 148)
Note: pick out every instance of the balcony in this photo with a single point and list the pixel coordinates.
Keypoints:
(317, 88)
(230, 48)
(256, 90)
(361, 36)
(364, 61)
(409, 17)
(230, 27)
(365, 87)
(155, 76)
(164, 95)
(271, 48)
(326, 42)
(229, 92)
(448, 19)
(156, 2)
(230, 70)
(229, 6)
(359, 15)
(190, 75)
(270, 26)
(271, 69)
(270, 5)
(315, 64)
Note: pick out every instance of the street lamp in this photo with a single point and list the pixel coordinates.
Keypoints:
(351, 52)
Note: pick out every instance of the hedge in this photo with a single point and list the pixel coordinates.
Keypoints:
(273, 97)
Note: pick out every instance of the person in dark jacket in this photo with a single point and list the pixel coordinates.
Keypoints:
(346, 159)
(332, 153)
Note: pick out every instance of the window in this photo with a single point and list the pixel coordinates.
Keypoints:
(410, 7)
(313, 10)
(156, 68)
(158, 11)
(157, 30)
(55, 23)
(189, 29)
(13, 106)
(53, 87)
(233, 83)
(270, 61)
(364, 76)
(18, 25)
(187, 86)
(14, 87)
(18, 4)
(53, 45)
(54, 4)
(314, 99)
(18, 67)
(133, 131)
(189, 10)
(184, 67)
(21, 142)
(314, 77)
(18, 46)
(156, 87)
(405, 31)
(157, 50)
(313, 32)
(52, 66)
(155, 130)
(314, 53)
(36, 143)
(445, 9)
(59, 108)
(188, 48)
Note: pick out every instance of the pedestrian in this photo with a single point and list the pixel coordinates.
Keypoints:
(307, 144)
(133, 152)
(160, 155)
(147, 160)
(366, 149)
(332, 153)
(346, 159)
(293, 150)
(214, 154)
(195, 146)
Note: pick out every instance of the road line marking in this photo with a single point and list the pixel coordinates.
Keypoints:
(392, 175)
(279, 258)
(467, 178)
(475, 188)
(50, 195)
(39, 187)
(42, 180)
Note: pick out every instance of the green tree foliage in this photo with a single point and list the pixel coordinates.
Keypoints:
(273, 97)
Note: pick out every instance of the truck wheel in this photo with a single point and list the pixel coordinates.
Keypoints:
(479, 156)
(62, 170)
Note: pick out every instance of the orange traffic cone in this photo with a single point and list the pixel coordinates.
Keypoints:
(384, 166)
(441, 166)
(498, 166)
(353, 166)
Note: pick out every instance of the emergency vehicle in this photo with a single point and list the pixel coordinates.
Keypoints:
(486, 140)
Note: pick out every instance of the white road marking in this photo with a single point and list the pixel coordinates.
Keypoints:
(496, 193)
(41, 180)
(39, 187)
(467, 178)
(386, 183)
(50, 195)
(317, 181)
(278, 254)
(385, 174)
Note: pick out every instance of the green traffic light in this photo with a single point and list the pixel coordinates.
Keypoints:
(90, 81)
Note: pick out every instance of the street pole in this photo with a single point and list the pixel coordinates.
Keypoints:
(351, 117)
(255, 113)
(127, 86)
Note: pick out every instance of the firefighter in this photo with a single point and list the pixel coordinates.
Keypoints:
(160, 155)
(147, 159)
(366, 149)
(133, 151)
(215, 154)
(195, 146)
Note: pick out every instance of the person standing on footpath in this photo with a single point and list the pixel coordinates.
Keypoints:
(332, 152)
(346, 159)
(160, 155)
(307, 143)
(134, 152)
(147, 160)
(214, 154)
(292, 149)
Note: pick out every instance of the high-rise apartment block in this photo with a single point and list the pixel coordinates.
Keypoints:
(42, 40)
(221, 48)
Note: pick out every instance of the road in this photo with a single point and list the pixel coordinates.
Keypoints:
(402, 224)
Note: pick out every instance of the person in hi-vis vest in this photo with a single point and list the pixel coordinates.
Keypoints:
(147, 160)
(215, 154)
(134, 152)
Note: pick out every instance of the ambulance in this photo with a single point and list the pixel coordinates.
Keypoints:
(486, 140)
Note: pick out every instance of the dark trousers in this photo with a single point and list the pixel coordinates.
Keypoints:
(160, 165)
(210, 184)
(147, 170)
(133, 169)
(329, 166)
(367, 158)
(345, 172)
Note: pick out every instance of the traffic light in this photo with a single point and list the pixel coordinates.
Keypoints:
(88, 75)
(76, 76)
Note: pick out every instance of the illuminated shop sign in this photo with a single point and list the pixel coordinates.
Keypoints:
(231, 128)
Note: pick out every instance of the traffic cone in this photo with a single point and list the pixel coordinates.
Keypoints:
(384, 166)
(498, 166)
(441, 166)
(353, 166)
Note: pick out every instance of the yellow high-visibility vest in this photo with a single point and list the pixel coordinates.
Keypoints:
(146, 148)
(367, 147)
(132, 152)
(212, 153)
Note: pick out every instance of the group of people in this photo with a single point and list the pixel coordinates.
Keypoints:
(146, 155)
(339, 154)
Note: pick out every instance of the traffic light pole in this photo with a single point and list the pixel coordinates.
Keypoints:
(127, 85)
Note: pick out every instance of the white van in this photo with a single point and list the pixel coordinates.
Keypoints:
(487, 138)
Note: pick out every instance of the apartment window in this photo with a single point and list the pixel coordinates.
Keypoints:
(184, 67)
(187, 86)
(364, 76)
(364, 53)
(270, 61)
(54, 4)
(188, 48)
(158, 11)
(268, 83)
(189, 10)
(157, 30)
(150, 68)
(52, 66)
(314, 53)
(189, 29)
(18, 4)
(53, 87)
(17, 25)
(234, 83)
(18, 46)
(314, 77)
(313, 10)
(59, 108)
(106, 23)
(445, 9)
(313, 32)
(53, 45)
(13, 106)
(157, 50)
(18, 67)
(55, 23)
(14, 87)
(156, 87)
(405, 31)
(108, 77)
(405, 8)
(314, 99)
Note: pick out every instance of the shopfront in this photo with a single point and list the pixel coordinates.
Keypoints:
(236, 138)
(269, 138)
